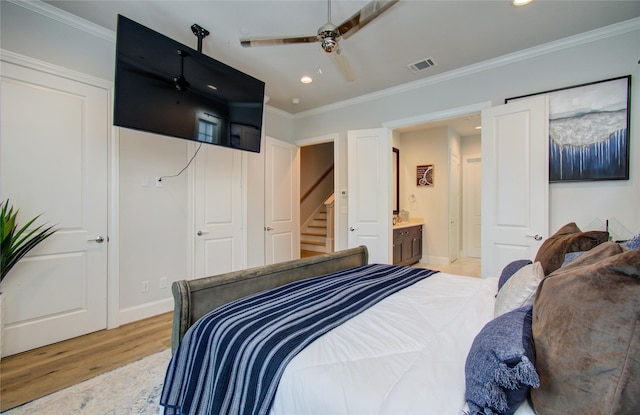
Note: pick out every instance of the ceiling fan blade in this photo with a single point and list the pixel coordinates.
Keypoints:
(365, 15)
(278, 41)
(342, 62)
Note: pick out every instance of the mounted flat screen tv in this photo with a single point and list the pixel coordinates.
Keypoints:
(165, 87)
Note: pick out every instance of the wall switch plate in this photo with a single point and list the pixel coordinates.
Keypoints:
(158, 182)
(163, 283)
(145, 286)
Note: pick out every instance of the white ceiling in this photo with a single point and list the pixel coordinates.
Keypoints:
(454, 34)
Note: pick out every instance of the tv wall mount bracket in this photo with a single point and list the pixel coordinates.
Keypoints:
(200, 33)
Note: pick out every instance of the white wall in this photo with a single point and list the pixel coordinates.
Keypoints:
(431, 202)
(599, 55)
(153, 220)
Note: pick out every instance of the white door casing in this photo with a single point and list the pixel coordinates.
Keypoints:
(282, 201)
(369, 194)
(54, 161)
(515, 182)
(218, 213)
(454, 207)
(471, 194)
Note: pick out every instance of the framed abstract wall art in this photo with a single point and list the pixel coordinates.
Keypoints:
(589, 130)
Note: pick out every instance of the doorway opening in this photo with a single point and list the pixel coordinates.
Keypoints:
(451, 141)
(317, 199)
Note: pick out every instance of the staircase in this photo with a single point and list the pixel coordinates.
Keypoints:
(313, 236)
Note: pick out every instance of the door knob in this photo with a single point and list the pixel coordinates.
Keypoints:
(99, 239)
(268, 228)
(200, 233)
(353, 228)
(537, 237)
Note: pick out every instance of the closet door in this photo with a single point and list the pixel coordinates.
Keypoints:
(218, 212)
(54, 158)
(515, 182)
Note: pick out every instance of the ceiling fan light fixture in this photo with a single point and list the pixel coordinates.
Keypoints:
(329, 44)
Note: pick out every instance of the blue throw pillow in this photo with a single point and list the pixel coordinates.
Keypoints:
(511, 269)
(570, 256)
(633, 243)
(500, 366)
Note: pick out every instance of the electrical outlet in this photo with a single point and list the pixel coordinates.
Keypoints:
(163, 283)
(145, 286)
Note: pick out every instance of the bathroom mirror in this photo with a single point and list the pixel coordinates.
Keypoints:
(395, 168)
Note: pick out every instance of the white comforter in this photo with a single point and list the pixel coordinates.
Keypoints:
(405, 355)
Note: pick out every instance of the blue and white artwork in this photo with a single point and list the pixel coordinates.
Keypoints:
(589, 132)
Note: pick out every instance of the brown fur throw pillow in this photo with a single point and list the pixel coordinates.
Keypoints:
(586, 330)
(569, 238)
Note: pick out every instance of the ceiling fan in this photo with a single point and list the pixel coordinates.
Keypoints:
(329, 34)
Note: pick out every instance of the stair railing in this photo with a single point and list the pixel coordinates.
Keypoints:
(330, 205)
(316, 183)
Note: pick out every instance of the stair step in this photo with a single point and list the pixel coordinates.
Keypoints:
(318, 243)
(315, 233)
(317, 226)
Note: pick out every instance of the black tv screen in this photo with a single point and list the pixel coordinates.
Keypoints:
(165, 87)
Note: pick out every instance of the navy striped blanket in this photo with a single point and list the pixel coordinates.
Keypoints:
(231, 360)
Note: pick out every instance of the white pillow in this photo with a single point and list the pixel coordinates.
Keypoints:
(520, 289)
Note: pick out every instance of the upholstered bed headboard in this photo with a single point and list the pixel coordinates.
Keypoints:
(195, 298)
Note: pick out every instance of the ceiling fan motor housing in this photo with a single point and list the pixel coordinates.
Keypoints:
(328, 37)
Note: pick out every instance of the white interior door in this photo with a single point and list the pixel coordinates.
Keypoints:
(471, 194)
(369, 195)
(515, 185)
(54, 157)
(282, 201)
(218, 211)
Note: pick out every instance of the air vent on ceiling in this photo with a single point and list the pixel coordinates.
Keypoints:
(421, 65)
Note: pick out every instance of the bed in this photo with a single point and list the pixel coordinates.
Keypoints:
(437, 343)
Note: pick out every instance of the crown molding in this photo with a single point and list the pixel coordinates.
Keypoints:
(31, 63)
(555, 46)
(66, 18)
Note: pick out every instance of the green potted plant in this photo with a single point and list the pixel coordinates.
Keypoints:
(16, 242)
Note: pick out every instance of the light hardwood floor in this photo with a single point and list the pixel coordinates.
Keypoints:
(36, 373)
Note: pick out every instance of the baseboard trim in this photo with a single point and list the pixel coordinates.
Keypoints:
(140, 312)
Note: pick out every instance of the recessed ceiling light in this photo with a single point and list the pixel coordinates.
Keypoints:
(295, 101)
(520, 2)
(478, 127)
(306, 80)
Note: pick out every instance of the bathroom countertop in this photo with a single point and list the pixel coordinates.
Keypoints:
(410, 222)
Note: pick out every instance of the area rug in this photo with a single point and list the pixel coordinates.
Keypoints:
(133, 389)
